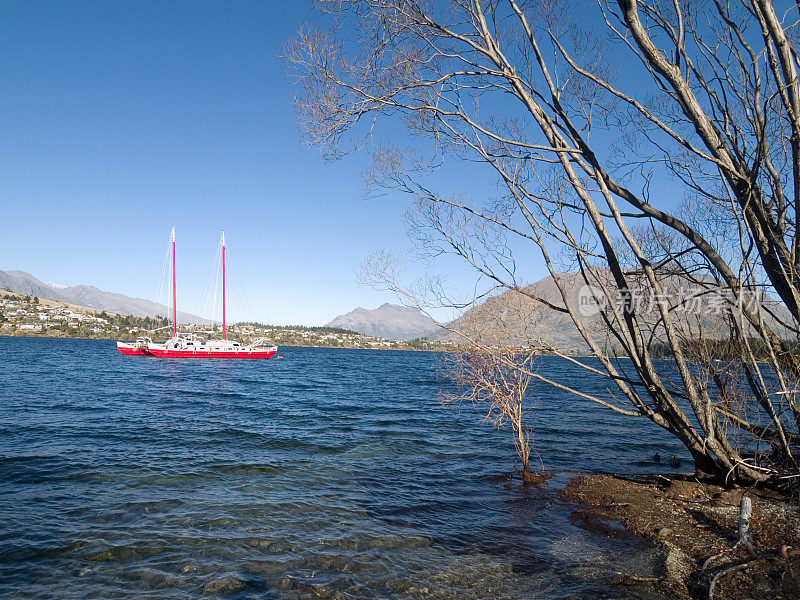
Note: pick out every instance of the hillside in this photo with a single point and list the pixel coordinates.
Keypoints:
(23, 314)
(389, 321)
(88, 296)
(511, 317)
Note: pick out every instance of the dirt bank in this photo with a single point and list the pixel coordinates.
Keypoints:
(696, 525)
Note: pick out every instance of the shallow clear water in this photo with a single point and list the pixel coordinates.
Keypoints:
(327, 474)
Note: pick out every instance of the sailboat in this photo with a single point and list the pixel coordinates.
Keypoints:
(189, 345)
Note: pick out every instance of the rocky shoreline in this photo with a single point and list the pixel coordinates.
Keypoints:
(696, 525)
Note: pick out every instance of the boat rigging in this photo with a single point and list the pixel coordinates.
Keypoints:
(190, 345)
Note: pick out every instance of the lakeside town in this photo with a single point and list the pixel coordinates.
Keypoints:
(31, 316)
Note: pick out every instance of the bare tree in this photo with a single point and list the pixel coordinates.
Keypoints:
(495, 366)
(496, 379)
(645, 145)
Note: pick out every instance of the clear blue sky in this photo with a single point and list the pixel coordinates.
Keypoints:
(120, 119)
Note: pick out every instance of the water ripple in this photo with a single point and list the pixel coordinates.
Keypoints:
(330, 474)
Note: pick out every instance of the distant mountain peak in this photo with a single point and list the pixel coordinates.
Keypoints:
(391, 321)
(58, 286)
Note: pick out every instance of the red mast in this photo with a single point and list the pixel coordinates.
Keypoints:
(223, 285)
(174, 304)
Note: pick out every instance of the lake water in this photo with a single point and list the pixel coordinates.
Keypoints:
(330, 473)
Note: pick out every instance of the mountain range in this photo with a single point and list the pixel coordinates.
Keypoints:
(89, 296)
(511, 317)
(389, 321)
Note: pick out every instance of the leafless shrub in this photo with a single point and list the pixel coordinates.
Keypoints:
(495, 367)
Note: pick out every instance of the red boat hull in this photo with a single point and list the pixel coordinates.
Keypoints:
(133, 349)
(240, 354)
(133, 352)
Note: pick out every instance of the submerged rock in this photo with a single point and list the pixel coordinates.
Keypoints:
(225, 586)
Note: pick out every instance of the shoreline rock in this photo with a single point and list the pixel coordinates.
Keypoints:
(696, 526)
